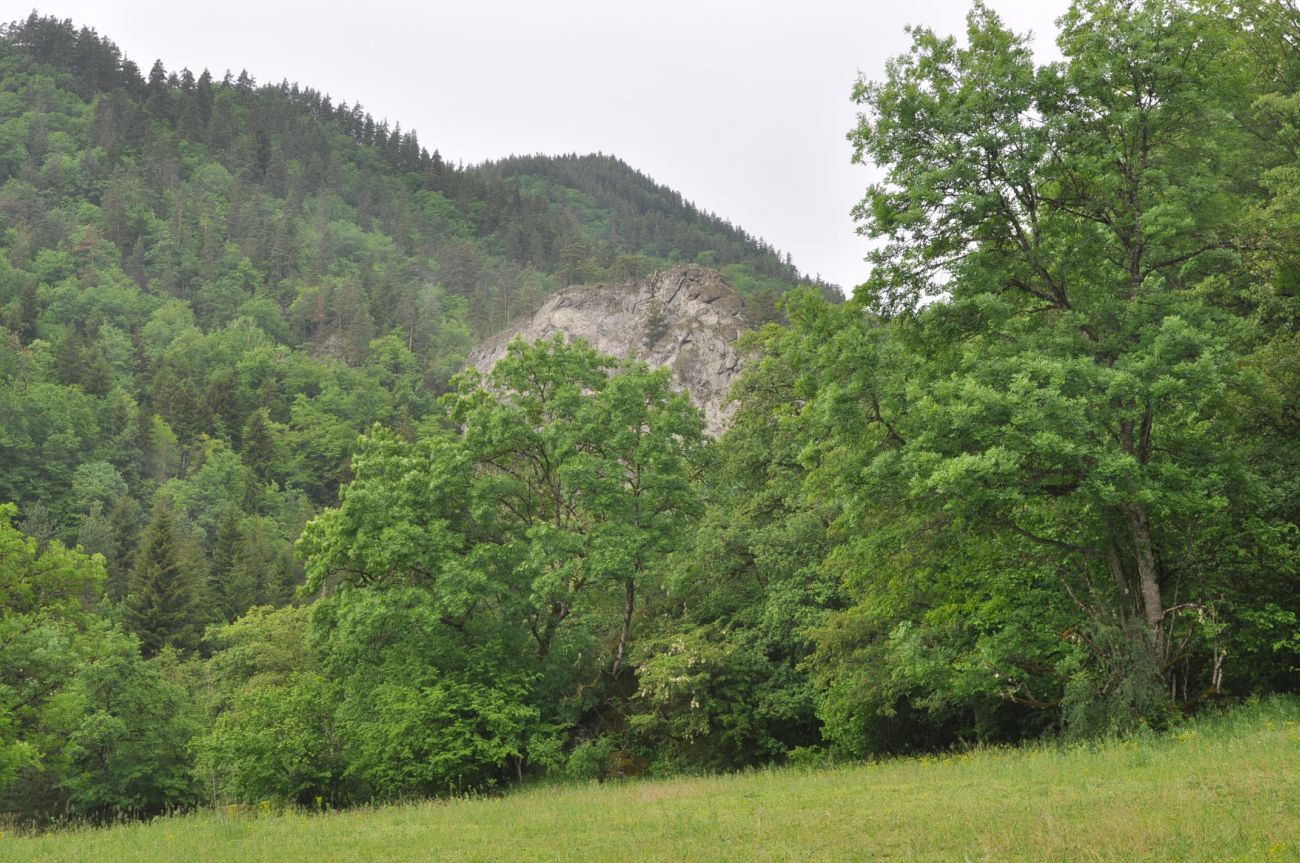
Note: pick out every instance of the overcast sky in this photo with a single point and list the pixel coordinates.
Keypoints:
(742, 107)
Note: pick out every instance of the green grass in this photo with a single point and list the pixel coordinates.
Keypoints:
(1223, 789)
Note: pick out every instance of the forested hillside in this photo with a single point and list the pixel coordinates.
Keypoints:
(210, 287)
(1038, 477)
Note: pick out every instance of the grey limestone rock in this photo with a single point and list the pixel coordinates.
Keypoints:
(686, 319)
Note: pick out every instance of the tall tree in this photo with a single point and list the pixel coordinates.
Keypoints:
(162, 603)
(1059, 246)
(536, 516)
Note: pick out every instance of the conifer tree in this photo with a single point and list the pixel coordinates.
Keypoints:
(223, 560)
(161, 605)
(124, 522)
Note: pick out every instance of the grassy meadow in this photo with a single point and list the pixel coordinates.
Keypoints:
(1226, 788)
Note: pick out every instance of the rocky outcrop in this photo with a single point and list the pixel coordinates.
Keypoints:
(686, 319)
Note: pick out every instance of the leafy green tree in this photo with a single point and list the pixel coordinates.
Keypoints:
(49, 579)
(276, 742)
(85, 726)
(273, 735)
(721, 681)
(96, 484)
(425, 708)
(130, 751)
(535, 517)
(587, 475)
(1036, 416)
(46, 430)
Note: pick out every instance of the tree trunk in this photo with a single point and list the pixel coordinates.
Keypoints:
(1148, 579)
(629, 604)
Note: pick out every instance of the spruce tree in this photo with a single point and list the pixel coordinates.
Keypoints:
(260, 445)
(124, 521)
(161, 605)
(223, 557)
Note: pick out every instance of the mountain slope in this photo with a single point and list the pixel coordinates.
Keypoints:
(210, 287)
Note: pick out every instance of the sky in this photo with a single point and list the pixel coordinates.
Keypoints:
(742, 107)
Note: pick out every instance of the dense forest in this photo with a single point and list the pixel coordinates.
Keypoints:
(1039, 476)
(213, 287)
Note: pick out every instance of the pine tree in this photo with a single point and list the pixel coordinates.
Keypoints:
(124, 521)
(28, 311)
(203, 96)
(158, 103)
(95, 534)
(229, 538)
(161, 606)
(260, 445)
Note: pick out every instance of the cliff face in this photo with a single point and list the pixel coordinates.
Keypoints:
(686, 319)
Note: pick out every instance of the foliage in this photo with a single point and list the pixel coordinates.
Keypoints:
(162, 603)
(1037, 478)
(86, 726)
(211, 288)
(129, 753)
(721, 683)
(1044, 360)
(494, 568)
(273, 731)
